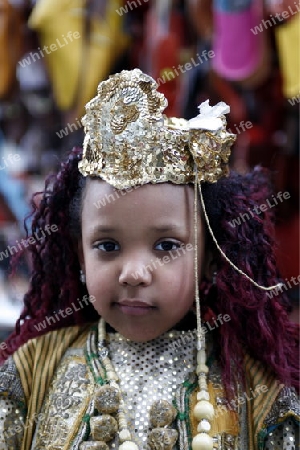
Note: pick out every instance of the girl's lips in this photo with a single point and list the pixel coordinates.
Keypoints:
(134, 307)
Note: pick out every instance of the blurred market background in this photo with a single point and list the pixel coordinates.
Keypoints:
(53, 54)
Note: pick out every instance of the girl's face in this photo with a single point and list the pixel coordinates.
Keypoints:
(137, 252)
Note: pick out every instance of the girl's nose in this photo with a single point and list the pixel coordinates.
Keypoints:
(135, 273)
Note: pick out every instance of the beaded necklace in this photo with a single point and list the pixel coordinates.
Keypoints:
(109, 403)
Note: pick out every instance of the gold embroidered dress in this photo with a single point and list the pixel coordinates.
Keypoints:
(46, 393)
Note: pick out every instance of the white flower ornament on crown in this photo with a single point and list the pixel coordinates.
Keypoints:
(209, 117)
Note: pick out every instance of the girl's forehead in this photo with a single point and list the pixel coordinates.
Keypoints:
(101, 187)
(139, 214)
(149, 202)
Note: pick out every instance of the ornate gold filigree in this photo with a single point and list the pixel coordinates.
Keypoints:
(128, 141)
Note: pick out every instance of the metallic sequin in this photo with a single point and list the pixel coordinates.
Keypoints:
(128, 141)
(284, 437)
(150, 371)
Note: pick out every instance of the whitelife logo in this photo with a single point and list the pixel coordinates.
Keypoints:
(294, 100)
(33, 56)
(174, 254)
(279, 17)
(132, 5)
(168, 74)
(9, 160)
(286, 286)
(11, 250)
(260, 208)
(63, 313)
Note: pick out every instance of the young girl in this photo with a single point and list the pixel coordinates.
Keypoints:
(113, 349)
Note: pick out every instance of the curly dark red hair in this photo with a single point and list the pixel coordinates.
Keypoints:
(259, 324)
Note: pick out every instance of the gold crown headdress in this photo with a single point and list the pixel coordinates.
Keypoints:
(128, 141)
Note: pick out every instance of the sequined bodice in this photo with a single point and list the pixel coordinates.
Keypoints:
(151, 371)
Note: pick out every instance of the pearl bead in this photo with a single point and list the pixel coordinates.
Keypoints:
(124, 435)
(202, 384)
(111, 375)
(203, 395)
(201, 368)
(204, 425)
(202, 442)
(128, 445)
(201, 357)
(204, 410)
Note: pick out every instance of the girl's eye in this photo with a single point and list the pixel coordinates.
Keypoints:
(167, 246)
(108, 246)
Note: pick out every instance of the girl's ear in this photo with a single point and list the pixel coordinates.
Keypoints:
(211, 266)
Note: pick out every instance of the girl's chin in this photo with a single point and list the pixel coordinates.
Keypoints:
(137, 334)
